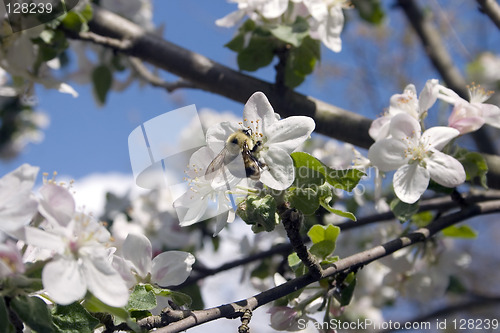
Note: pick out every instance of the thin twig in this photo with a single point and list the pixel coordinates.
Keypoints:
(155, 80)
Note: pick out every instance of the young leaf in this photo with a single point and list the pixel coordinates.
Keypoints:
(292, 33)
(402, 210)
(306, 200)
(102, 79)
(463, 231)
(5, 324)
(141, 299)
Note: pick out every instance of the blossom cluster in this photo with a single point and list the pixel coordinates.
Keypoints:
(417, 155)
(325, 17)
(276, 138)
(77, 253)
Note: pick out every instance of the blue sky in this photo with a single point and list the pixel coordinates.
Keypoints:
(84, 138)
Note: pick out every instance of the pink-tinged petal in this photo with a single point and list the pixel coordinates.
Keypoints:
(103, 281)
(280, 172)
(437, 137)
(428, 95)
(388, 154)
(289, 133)
(445, 170)
(64, 281)
(467, 125)
(258, 109)
(172, 268)
(410, 182)
(449, 96)
(379, 128)
(124, 268)
(57, 204)
(138, 250)
(405, 127)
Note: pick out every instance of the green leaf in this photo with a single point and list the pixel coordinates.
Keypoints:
(463, 231)
(475, 166)
(306, 200)
(34, 312)
(73, 318)
(141, 299)
(93, 304)
(325, 203)
(319, 233)
(102, 78)
(322, 249)
(74, 21)
(402, 210)
(292, 33)
(5, 324)
(87, 12)
(370, 10)
(293, 260)
(422, 219)
(259, 53)
(181, 298)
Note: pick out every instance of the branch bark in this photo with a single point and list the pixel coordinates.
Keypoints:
(353, 262)
(492, 9)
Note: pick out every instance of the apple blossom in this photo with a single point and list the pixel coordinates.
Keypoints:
(417, 157)
(408, 103)
(82, 259)
(169, 268)
(194, 203)
(469, 116)
(255, 9)
(11, 261)
(17, 203)
(279, 138)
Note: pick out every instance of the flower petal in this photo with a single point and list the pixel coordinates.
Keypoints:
(491, 114)
(388, 154)
(410, 182)
(445, 170)
(405, 127)
(280, 173)
(64, 281)
(258, 108)
(428, 95)
(137, 248)
(437, 137)
(171, 268)
(379, 128)
(289, 133)
(218, 134)
(230, 19)
(102, 279)
(57, 204)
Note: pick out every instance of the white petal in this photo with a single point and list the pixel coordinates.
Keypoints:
(258, 108)
(67, 89)
(102, 279)
(44, 239)
(428, 95)
(491, 114)
(124, 268)
(410, 182)
(437, 137)
(64, 281)
(445, 170)
(379, 128)
(280, 173)
(289, 133)
(388, 154)
(172, 268)
(449, 96)
(137, 248)
(57, 204)
(405, 127)
(217, 135)
(230, 19)
(274, 9)
(194, 212)
(329, 30)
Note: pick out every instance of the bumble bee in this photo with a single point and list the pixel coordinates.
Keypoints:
(242, 142)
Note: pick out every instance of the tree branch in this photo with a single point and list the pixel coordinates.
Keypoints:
(442, 61)
(237, 309)
(492, 9)
(213, 77)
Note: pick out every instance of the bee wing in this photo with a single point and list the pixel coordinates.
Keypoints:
(215, 167)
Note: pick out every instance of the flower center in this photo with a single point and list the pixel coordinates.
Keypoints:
(417, 150)
(478, 94)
